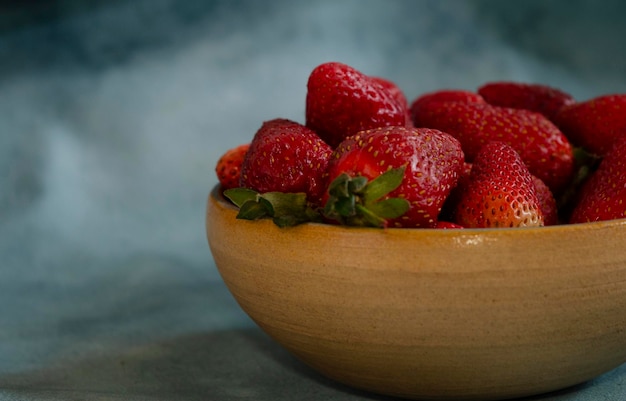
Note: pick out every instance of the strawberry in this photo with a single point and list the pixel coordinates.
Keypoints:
(285, 156)
(443, 95)
(603, 195)
(547, 202)
(431, 161)
(342, 101)
(228, 167)
(397, 93)
(594, 124)
(500, 191)
(540, 98)
(393, 89)
(449, 207)
(446, 225)
(543, 147)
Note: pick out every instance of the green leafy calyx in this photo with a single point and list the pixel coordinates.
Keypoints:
(285, 209)
(356, 202)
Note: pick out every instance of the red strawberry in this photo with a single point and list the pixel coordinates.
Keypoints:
(395, 91)
(594, 124)
(342, 101)
(444, 95)
(285, 156)
(445, 225)
(603, 195)
(500, 191)
(543, 147)
(228, 167)
(453, 199)
(541, 98)
(547, 202)
(432, 161)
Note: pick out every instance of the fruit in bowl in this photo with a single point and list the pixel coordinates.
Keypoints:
(341, 249)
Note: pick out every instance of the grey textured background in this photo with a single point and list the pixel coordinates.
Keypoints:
(112, 117)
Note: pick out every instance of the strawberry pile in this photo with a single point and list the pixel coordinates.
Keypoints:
(509, 154)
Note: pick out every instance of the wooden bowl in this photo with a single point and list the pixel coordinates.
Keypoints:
(470, 314)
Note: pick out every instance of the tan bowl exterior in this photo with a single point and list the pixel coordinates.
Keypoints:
(433, 314)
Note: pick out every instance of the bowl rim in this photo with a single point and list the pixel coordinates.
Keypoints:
(216, 194)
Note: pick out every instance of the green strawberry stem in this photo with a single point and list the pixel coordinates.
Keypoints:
(354, 201)
(285, 209)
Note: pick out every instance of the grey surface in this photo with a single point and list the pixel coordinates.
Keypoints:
(112, 116)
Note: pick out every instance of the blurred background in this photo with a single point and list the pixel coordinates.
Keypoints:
(113, 114)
